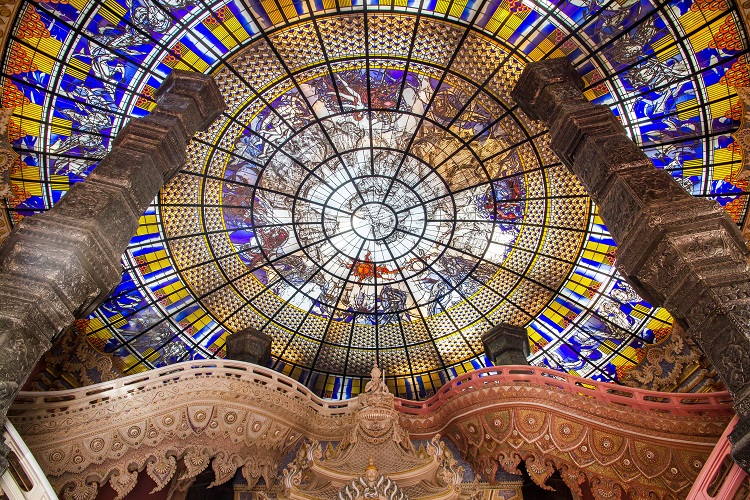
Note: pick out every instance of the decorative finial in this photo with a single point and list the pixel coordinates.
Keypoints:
(371, 464)
(377, 380)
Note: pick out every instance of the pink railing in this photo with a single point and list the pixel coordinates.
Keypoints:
(720, 477)
(55, 401)
(639, 399)
(669, 403)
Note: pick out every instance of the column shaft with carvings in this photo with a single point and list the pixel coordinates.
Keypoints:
(506, 344)
(60, 265)
(249, 345)
(683, 253)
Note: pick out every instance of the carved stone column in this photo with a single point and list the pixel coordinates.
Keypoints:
(7, 157)
(60, 265)
(741, 138)
(683, 253)
(506, 344)
(249, 345)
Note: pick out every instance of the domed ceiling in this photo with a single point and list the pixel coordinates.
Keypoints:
(372, 191)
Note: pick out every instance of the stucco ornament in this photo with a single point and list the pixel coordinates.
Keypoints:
(237, 418)
(348, 471)
(371, 485)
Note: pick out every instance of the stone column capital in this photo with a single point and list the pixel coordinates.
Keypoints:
(249, 345)
(506, 344)
(532, 91)
(199, 88)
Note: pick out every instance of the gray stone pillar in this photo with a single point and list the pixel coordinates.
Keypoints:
(249, 345)
(683, 253)
(60, 265)
(506, 344)
(7, 157)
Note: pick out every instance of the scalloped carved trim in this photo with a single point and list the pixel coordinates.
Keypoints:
(163, 465)
(174, 423)
(637, 464)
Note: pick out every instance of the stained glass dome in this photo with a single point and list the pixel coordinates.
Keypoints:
(372, 191)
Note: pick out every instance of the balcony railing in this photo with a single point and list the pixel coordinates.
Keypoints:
(639, 399)
(24, 479)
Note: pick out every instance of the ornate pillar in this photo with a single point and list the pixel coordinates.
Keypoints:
(506, 344)
(60, 265)
(7, 158)
(249, 345)
(683, 253)
(741, 138)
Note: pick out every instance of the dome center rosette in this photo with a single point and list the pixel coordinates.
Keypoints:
(344, 225)
(374, 221)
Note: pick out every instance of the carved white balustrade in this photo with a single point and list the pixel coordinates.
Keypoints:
(174, 422)
(24, 479)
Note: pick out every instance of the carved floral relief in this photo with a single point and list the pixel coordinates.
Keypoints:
(172, 424)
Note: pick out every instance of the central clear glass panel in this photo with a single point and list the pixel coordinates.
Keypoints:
(374, 221)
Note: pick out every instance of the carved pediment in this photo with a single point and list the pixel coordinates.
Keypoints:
(376, 437)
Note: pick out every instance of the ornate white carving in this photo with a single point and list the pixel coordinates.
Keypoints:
(348, 472)
(376, 385)
(372, 485)
(172, 423)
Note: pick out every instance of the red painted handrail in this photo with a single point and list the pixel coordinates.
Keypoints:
(640, 399)
(733, 479)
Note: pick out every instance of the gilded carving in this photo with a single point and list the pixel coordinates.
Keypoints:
(665, 363)
(71, 357)
(742, 134)
(7, 155)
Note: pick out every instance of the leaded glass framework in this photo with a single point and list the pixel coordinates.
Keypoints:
(372, 192)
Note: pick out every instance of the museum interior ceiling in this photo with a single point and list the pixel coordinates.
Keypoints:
(372, 192)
